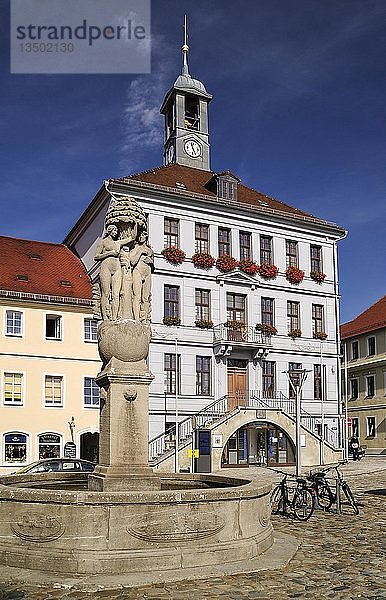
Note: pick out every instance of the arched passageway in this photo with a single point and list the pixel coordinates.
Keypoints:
(89, 446)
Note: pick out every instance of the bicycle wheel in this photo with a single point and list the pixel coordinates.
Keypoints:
(303, 504)
(349, 495)
(277, 500)
(325, 496)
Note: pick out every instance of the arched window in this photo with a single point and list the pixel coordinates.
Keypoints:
(15, 448)
(49, 445)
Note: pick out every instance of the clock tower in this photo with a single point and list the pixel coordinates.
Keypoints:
(186, 119)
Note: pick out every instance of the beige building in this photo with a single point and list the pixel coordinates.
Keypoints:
(364, 376)
(49, 355)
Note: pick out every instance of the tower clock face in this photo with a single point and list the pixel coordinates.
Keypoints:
(192, 148)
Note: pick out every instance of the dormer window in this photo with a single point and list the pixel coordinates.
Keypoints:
(192, 112)
(227, 187)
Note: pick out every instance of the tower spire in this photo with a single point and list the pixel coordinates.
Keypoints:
(185, 50)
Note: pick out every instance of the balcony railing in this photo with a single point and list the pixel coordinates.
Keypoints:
(243, 335)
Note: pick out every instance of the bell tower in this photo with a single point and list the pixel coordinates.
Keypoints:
(185, 109)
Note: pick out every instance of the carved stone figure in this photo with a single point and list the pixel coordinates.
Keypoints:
(142, 264)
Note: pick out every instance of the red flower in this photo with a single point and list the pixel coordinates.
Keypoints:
(294, 274)
(203, 260)
(174, 255)
(226, 263)
(268, 271)
(248, 266)
(318, 276)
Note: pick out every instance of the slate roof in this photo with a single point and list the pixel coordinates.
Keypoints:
(371, 319)
(42, 268)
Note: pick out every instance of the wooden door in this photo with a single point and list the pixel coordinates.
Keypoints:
(237, 387)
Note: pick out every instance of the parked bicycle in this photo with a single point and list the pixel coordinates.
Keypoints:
(298, 499)
(325, 495)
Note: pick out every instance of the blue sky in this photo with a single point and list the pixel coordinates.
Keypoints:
(299, 113)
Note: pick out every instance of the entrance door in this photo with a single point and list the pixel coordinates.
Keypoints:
(89, 445)
(237, 383)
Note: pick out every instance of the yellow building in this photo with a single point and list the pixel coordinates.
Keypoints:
(49, 355)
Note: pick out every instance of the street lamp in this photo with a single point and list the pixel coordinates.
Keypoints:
(296, 378)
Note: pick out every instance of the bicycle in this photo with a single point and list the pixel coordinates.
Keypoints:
(325, 496)
(300, 500)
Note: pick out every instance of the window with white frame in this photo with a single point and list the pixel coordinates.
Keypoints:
(203, 375)
(354, 350)
(90, 330)
(371, 429)
(53, 327)
(316, 258)
(370, 386)
(13, 322)
(53, 390)
(202, 238)
(245, 245)
(371, 346)
(202, 305)
(291, 253)
(91, 395)
(355, 427)
(293, 315)
(171, 232)
(268, 311)
(317, 318)
(266, 249)
(354, 385)
(13, 389)
(15, 448)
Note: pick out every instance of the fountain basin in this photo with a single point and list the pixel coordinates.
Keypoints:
(49, 523)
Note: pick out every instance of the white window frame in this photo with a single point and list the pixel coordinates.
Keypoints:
(88, 406)
(13, 404)
(351, 350)
(45, 405)
(28, 449)
(89, 341)
(56, 315)
(367, 345)
(12, 310)
(368, 428)
(351, 380)
(367, 389)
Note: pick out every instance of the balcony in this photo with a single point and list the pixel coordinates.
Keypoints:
(226, 338)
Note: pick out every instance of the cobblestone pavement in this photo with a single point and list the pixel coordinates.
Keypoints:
(340, 557)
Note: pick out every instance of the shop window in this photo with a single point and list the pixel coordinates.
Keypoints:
(15, 448)
(49, 445)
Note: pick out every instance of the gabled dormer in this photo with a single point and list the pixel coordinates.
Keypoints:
(224, 185)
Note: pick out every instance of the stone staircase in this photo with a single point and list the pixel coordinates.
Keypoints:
(162, 447)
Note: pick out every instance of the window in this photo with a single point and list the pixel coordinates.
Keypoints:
(245, 245)
(355, 427)
(90, 329)
(49, 445)
(371, 428)
(53, 327)
(370, 386)
(202, 238)
(291, 254)
(90, 393)
(293, 312)
(354, 389)
(371, 346)
(202, 305)
(354, 350)
(171, 375)
(236, 308)
(203, 375)
(266, 255)
(317, 318)
(15, 448)
(269, 369)
(226, 189)
(292, 367)
(316, 258)
(267, 311)
(192, 107)
(13, 322)
(13, 389)
(317, 382)
(224, 241)
(172, 301)
(171, 237)
(53, 390)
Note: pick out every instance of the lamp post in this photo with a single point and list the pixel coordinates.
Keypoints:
(177, 466)
(296, 378)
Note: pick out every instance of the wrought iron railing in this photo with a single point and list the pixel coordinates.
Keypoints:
(243, 334)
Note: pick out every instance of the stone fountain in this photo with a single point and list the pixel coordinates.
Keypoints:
(126, 519)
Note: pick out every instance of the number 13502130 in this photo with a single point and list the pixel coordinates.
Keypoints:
(47, 47)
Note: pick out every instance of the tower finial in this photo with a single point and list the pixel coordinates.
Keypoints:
(185, 49)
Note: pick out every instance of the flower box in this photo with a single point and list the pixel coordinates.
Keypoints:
(318, 276)
(171, 321)
(266, 329)
(239, 325)
(204, 324)
(294, 275)
(320, 335)
(174, 255)
(248, 266)
(203, 260)
(295, 333)
(226, 263)
(268, 271)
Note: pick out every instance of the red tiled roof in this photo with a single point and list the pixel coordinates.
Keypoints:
(195, 180)
(371, 319)
(40, 267)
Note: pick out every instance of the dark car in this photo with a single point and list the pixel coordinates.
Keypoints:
(62, 465)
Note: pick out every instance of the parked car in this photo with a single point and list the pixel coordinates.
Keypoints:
(63, 465)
